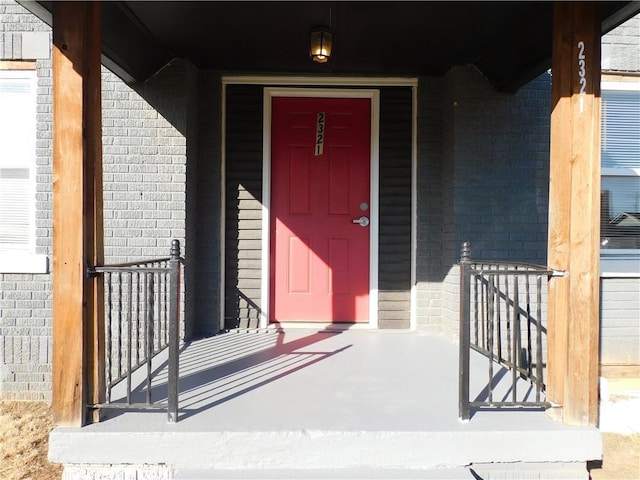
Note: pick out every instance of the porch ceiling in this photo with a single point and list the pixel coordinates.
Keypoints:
(510, 42)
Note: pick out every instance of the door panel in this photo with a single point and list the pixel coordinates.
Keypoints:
(320, 164)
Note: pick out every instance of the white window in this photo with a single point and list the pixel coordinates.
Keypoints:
(17, 173)
(620, 197)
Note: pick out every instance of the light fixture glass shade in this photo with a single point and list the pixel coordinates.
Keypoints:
(321, 43)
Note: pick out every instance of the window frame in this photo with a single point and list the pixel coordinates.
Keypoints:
(26, 261)
(620, 262)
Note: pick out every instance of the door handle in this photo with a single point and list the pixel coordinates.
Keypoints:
(362, 221)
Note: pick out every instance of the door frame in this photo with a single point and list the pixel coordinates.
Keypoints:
(341, 83)
(374, 96)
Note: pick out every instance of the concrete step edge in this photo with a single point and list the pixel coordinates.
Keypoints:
(325, 473)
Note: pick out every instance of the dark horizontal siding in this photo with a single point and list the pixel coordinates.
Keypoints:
(243, 216)
(394, 275)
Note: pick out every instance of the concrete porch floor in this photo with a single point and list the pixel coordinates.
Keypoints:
(327, 404)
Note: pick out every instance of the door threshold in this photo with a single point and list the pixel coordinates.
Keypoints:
(321, 326)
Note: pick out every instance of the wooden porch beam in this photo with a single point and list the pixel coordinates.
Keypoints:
(77, 211)
(574, 212)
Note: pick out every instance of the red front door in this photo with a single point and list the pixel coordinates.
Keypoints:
(320, 170)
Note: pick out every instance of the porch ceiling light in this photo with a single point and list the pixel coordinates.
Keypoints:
(321, 43)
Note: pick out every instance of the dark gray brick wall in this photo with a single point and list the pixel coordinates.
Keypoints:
(489, 152)
(203, 221)
(501, 169)
(430, 237)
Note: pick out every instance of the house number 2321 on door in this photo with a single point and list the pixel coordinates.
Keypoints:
(320, 134)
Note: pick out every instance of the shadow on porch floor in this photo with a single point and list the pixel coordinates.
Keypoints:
(309, 399)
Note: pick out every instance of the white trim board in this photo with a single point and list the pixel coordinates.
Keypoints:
(223, 206)
(20, 262)
(413, 299)
(301, 81)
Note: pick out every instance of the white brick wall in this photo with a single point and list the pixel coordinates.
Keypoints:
(117, 472)
(621, 47)
(620, 338)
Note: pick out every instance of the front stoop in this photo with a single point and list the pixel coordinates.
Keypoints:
(540, 454)
(530, 471)
(519, 471)
(511, 471)
(151, 472)
(309, 404)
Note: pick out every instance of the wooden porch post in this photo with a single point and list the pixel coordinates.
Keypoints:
(574, 212)
(78, 303)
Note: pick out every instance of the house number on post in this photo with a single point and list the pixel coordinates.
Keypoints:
(582, 73)
(320, 134)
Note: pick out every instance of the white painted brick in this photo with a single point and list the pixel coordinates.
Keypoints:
(116, 472)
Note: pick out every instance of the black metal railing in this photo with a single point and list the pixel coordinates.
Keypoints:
(503, 318)
(142, 314)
